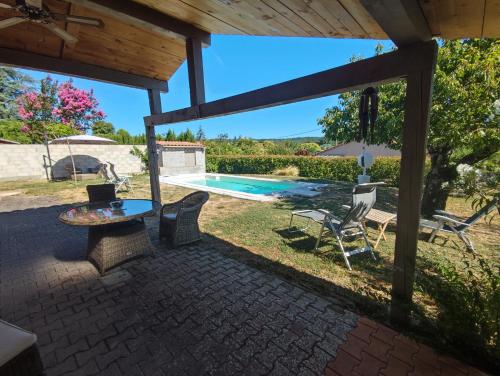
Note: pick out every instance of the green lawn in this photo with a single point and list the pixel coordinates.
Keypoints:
(256, 233)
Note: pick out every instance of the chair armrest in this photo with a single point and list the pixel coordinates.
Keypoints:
(172, 208)
(449, 221)
(347, 207)
(446, 214)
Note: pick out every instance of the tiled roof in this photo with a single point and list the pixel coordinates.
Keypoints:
(180, 144)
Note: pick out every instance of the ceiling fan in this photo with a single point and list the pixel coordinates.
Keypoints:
(35, 11)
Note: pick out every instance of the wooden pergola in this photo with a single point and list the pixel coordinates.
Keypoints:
(143, 42)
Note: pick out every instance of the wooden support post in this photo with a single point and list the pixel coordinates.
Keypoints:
(416, 122)
(154, 178)
(195, 71)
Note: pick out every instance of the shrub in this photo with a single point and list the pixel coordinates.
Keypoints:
(142, 155)
(339, 169)
(468, 298)
(287, 171)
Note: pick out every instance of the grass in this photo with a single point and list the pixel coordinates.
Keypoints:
(256, 233)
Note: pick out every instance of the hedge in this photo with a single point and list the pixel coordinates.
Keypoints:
(337, 169)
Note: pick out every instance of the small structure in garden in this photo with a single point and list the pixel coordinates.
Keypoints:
(181, 157)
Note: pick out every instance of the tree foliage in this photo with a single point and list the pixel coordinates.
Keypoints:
(56, 110)
(103, 128)
(13, 84)
(464, 127)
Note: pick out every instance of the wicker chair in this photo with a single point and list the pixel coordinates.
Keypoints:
(101, 192)
(179, 220)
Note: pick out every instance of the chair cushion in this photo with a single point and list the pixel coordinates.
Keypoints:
(13, 341)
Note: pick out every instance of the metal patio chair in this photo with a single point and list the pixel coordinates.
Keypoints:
(179, 220)
(450, 223)
(119, 181)
(364, 197)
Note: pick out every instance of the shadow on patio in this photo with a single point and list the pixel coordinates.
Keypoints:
(191, 310)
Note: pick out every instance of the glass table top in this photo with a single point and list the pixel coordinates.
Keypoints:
(100, 213)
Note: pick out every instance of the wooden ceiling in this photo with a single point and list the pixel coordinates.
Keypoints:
(131, 48)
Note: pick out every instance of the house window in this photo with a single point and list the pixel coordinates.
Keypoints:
(189, 158)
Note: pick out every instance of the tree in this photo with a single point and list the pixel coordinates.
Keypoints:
(74, 110)
(13, 84)
(123, 137)
(170, 136)
(200, 135)
(187, 135)
(103, 128)
(310, 147)
(463, 123)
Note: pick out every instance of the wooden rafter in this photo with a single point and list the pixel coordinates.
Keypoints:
(377, 70)
(195, 71)
(73, 68)
(144, 17)
(402, 20)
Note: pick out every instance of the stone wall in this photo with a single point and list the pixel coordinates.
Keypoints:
(27, 161)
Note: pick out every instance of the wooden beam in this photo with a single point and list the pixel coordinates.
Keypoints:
(374, 71)
(416, 123)
(402, 20)
(139, 15)
(154, 176)
(34, 61)
(195, 71)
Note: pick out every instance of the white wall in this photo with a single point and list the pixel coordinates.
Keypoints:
(174, 161)
(27, 161)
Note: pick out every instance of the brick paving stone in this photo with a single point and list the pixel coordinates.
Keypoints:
(188, 311)
(395, 367)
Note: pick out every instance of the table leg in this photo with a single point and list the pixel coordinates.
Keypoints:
(110, 245)
(381, 234)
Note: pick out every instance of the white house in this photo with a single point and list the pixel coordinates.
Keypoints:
(353, 149)
(181, 157)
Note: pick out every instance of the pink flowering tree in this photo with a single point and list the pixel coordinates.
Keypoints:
(57, 110)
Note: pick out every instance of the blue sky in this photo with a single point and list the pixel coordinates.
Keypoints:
(232, 65)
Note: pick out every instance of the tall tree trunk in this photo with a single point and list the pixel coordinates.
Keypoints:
(437, 182)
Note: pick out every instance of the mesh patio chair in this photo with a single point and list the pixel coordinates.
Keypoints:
(366, 193)
(363, 199)
(101, 192)
(120, 181)
(449, 223)
(179, 220)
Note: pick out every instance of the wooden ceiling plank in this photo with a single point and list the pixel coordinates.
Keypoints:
(491, 27)
(286, 26)
(363, 18)
(286, 12)
(335, 14)
(429, 9)
(127, 33)
(197, 17)
(402, 20)
(133, 13)
(303, 10)
(239, 15)
(72, 68)
(460, 18)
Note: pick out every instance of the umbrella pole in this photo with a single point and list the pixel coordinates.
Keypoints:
(72, 161)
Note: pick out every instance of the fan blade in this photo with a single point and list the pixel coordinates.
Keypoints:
(77, 19)
(34, 3)
(11, 22)
(68, 38)
(6, 6)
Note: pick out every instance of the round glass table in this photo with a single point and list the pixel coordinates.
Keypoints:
(115, 235)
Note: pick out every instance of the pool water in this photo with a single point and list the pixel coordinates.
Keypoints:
(246, 185)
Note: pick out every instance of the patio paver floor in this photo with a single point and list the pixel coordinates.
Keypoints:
(189, 311)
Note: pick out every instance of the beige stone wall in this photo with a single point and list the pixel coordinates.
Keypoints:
(176, 161)
(27, 161)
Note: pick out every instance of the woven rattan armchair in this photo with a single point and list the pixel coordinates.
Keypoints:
(101, 192)
(179, 220)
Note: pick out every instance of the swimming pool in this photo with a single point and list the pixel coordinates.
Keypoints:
(251, 188)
